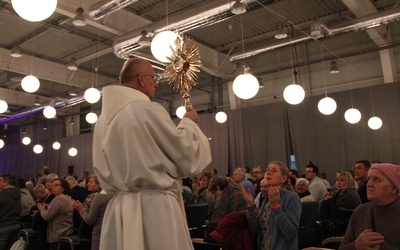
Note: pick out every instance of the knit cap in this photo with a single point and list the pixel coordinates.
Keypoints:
(391, 171)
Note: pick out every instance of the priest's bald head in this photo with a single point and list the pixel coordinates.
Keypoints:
(138, 74)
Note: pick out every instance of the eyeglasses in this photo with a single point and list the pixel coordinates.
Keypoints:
(56, 185)
(156, 78)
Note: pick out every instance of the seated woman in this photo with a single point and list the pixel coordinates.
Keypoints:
(58, 214)
(302, 185)
(94, 216)
(337, 206)
(202, 194)
(228, 199)
(277, 221)
(27, 202)
(94, 188)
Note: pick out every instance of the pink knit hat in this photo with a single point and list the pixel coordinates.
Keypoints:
(391, 171)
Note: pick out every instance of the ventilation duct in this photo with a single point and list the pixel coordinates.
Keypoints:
(58, 104)
(210, 13)
(366, 22)
(106, 7)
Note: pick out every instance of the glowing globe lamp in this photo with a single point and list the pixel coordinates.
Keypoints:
(56, 145)
(92, 95)
(375, 123)
(352, 116)
(72, 152)
(26, 140)
(38, 149)
(91, 118)
(49, 112)
(3, 106)
(1, 143)
(34, 10)
(245, 86)
(162, 45)
(294, 94)
(327, 106)
(180, 112)
(221, 117)
(30, 84)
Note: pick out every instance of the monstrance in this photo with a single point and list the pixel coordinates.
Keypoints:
(184, 64)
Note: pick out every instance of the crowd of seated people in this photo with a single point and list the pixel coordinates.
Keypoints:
(47, 209)
(270, 220)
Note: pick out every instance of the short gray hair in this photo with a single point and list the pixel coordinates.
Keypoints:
(71, 180)
(51, 177)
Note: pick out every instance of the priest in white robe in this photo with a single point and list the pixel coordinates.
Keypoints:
(141, 156)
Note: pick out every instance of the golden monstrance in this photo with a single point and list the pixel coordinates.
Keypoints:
(184, 64)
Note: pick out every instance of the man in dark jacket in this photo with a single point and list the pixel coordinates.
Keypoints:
(10, 208)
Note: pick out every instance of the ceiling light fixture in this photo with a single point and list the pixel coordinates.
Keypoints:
(145, 40)
(180, 111)
(293, 93)
(334, 69)
(72, 65)
(238, 8)
(3, 106)
(245, 86)
(1, 143)
(15, 52)
(316, 29)
(34, 10)
(30, 83)
(281, 33)
(326, 105)
(79, 19)
(37, 102)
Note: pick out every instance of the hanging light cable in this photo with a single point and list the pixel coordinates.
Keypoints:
(326, 105)
(374, 122)
(245, 86)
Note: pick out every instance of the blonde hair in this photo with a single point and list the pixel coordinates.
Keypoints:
(346, 176)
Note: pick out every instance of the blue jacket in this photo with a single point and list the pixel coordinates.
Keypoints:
(284, 221)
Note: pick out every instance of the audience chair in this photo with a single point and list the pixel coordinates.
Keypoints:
(196, 216)
(332, 242)
(82, 240)
(308, 229)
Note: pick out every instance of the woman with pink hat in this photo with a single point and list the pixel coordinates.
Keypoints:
(375, 225)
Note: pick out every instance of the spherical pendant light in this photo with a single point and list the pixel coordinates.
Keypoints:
(327, 106)
(38, 149)
(180, 112)
(49, 112)
(26, 140)
(163, 44)
(56, 145)
(30, 84)
(294, 94)
(245, 86)
(72, 152)
(221, 117)
(375, 123)
(352, 115)
(34, 10)
(1, 143)
(92, 95)
(91, 118)
(3, 106)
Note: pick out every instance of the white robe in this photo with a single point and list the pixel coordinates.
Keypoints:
(140, 156)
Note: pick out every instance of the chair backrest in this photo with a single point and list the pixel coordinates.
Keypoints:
(196, 214)
(309, 214)
(85, 230)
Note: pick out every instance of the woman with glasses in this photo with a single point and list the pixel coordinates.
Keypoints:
(58, 214)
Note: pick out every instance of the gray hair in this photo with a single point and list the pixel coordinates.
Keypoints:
(51, 177)
(303, 180)
(71, 180)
